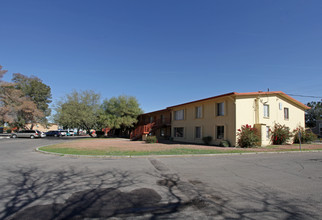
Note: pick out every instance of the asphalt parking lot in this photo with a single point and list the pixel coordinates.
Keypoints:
(256, 186)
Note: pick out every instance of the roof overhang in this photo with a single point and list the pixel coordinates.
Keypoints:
(236, 95)
(278, 93)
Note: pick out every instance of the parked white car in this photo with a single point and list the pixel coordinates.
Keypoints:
(63, 133)
(42, 134)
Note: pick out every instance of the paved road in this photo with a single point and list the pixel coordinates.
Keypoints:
(262, 186)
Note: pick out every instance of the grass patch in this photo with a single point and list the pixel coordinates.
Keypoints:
(113, 152)
(119, 148)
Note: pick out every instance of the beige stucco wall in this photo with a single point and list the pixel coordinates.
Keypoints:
(207, 122)
(246, 113)
(239, 110)
(42, 128)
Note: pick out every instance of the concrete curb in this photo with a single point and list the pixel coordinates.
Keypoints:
(170, 156)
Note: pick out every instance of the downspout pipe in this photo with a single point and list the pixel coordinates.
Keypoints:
(257, 110)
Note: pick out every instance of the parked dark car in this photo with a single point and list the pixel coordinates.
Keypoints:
(53, 133)
(27, 134)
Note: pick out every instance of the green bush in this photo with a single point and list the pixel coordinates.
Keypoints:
(151, 139)
(224, 143)
(100, 134)
(247, 136)
(8, 131)
(207, 140)
(281, 134)
(307, 136)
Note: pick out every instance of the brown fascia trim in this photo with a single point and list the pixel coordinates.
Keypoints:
(162, 110)
(201, 100)
(236, 94)
(300, 104)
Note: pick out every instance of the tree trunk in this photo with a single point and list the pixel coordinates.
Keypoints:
(89, 132)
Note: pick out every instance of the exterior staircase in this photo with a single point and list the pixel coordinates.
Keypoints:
(141, 130)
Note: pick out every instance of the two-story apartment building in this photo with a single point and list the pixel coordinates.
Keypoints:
(221, 116)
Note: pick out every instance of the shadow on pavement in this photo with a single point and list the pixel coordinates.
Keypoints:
(69, 194)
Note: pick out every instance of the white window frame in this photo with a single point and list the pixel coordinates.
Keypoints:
(220, 109)
(266, 110)
(178, 116)
(198, 111)
(267, 132)
(288, 114)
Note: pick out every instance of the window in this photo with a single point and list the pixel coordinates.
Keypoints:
(267, 132)
(280, 106)
(266, 111)
(198, 112)
(162, 132)
(179, 115)
(220, 109)
(162, 118)
(197, 132)
(220, 132)
(151, 119)
(286, 114)
(178, 132)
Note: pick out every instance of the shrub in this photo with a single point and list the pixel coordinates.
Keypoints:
(151, 139)
(207, 140)
(100, 134)
(307, 136)
(224, 143)
(247, 136)
(281, 134)
(8, 131)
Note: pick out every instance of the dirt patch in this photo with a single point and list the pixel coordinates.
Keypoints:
(127, 145)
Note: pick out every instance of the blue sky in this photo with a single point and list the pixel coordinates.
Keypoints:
(165, 52)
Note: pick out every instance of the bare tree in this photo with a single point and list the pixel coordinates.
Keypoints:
(2, 72)
(15, 108)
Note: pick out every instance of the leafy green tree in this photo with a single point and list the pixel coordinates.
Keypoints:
(79, 110)
(120, 113)
(313, 114)
(307, 136)
(33, 88)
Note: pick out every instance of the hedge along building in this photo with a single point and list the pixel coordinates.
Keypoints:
(221, 116)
